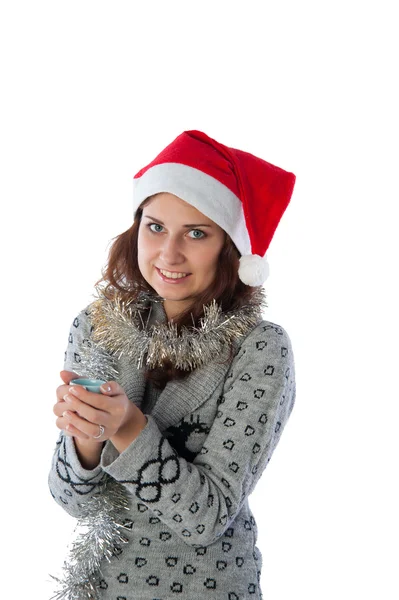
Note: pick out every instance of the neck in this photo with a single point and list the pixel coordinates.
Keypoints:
(174, 308)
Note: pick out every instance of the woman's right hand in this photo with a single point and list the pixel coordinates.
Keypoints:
(61, 407)
(87, 449)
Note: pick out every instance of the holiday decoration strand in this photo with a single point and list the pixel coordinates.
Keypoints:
(96, 363)
(100, 536)
(119, 328)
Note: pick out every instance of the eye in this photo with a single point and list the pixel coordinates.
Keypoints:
(197, 231)
(150, 225)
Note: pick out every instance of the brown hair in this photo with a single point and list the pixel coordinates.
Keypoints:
(122, 274)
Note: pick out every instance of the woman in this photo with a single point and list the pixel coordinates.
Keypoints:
(198, 387)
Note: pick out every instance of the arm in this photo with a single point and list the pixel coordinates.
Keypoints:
(199, 500)
(88, 453)
(75, 473)
(70, 483)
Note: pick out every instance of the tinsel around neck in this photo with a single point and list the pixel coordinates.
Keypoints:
(122, 328)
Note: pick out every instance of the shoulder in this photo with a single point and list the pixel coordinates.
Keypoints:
(266, 342)
(82, 320)
(265, 333)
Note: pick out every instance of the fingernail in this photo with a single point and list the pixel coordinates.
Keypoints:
(106, 388)
(67, 414)
(67, 398)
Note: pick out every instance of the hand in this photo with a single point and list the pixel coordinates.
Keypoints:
(86, 411)
(61, 407)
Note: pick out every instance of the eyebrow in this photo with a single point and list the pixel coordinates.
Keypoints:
(189, 225)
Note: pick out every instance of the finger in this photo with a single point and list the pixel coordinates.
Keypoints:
(90, 429)
(67, 376)
(60, 407)
(64, 424)
(84, 410)
(61, 392)
(98, 401)
(71, 430)
(112, 388)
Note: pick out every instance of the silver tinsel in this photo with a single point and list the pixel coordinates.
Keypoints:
(119, 327)
(99, 531)
(96, 362)
(100, 537)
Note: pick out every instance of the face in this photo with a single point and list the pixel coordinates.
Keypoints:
(178, 250)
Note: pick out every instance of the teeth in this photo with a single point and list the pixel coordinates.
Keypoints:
(173, 275)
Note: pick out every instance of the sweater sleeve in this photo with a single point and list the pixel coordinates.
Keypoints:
(70, 483)
(200, 499)
(79, 337)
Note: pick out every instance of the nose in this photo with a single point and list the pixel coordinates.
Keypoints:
(170, 252)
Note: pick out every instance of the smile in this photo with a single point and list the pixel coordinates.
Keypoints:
(171, 276)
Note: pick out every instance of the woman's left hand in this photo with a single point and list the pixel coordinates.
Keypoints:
(120, 418)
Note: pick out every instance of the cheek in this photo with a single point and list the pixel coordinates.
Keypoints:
(139, 242)
(208, 261)
(144, 248)
(143, 259)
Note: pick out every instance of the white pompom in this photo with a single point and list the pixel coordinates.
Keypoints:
(253, 269)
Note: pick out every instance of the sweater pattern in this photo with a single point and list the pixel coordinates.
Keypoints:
(190, 472)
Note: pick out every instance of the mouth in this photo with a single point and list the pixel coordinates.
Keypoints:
(172, 276)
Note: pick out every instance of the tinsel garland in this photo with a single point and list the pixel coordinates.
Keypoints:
(100, 537)
(119, 328)
(99, 531)
(96, 362)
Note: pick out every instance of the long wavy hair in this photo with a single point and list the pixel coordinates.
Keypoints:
(121, 274)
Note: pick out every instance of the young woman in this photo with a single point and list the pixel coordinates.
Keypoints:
(197, 385)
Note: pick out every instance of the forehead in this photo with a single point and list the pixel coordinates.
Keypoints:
(171, 207)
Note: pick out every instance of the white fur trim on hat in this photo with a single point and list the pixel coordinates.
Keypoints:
(253, 269)
(205, 193)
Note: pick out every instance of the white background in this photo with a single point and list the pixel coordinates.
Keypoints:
(90, 93)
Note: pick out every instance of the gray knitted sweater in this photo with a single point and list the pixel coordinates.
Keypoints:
(190, 471)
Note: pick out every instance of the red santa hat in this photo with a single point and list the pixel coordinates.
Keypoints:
(245, 195)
